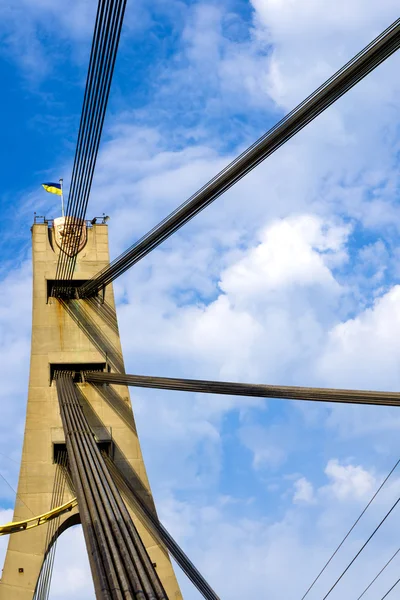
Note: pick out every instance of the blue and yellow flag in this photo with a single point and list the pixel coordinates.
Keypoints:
(53, 188)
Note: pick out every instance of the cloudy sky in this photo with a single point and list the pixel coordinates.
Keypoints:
(290, 278)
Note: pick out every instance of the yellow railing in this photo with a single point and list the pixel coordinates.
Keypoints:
(40, 520)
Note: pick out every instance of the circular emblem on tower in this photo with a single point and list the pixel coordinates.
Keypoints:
(70, 234)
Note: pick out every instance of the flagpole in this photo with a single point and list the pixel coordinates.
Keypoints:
(62, 198)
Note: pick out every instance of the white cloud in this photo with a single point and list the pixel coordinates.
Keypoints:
(23, 23)
(303, 491)
(290, 255)
(363, 351)
(349, 481)
(311, 40)
(271, 300)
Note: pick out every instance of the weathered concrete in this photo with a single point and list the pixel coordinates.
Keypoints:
(57, 338)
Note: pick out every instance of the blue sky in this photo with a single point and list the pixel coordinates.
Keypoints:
(291, 277)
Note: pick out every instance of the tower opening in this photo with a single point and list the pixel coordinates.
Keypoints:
(77, 369)
(67, 289)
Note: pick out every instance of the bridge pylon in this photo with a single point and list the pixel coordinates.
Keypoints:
(73, 335)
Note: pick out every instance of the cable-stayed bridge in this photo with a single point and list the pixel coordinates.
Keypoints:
(81, 459)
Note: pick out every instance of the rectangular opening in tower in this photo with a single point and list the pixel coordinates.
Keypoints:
(59, 449)
(66, 290)
(77, 369)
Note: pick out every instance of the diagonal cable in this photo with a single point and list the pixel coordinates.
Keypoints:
(97, 40)
(362, 548)
(105, 43)
(379, 574)
(93, 113)
(390, 590)
(16, 494)
(356, 69)
(100, 111)
(117, 555)
(92, 91)
(350, 530)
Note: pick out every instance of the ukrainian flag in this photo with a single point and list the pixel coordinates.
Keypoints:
(53, 188)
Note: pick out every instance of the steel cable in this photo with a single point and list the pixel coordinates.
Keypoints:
(43, 581)
(134, 566)
(136, 559)
(361, 549)
(87, 177)
(56, 522)
(164, 536)
(16, 494)
(259, 390)
(75, 222)
(71, 206)
(120, 586)
(91, 92)
(379, 574)
(103, 571)
(248, 389)
(41, 584)
(391, 589)
(105, 43)
(42, 589)
(349, 532)
(337, 85)
(122, 568)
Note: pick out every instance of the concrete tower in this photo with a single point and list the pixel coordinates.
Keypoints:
(78, 334)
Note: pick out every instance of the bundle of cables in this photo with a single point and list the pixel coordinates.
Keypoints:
(110, 14)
